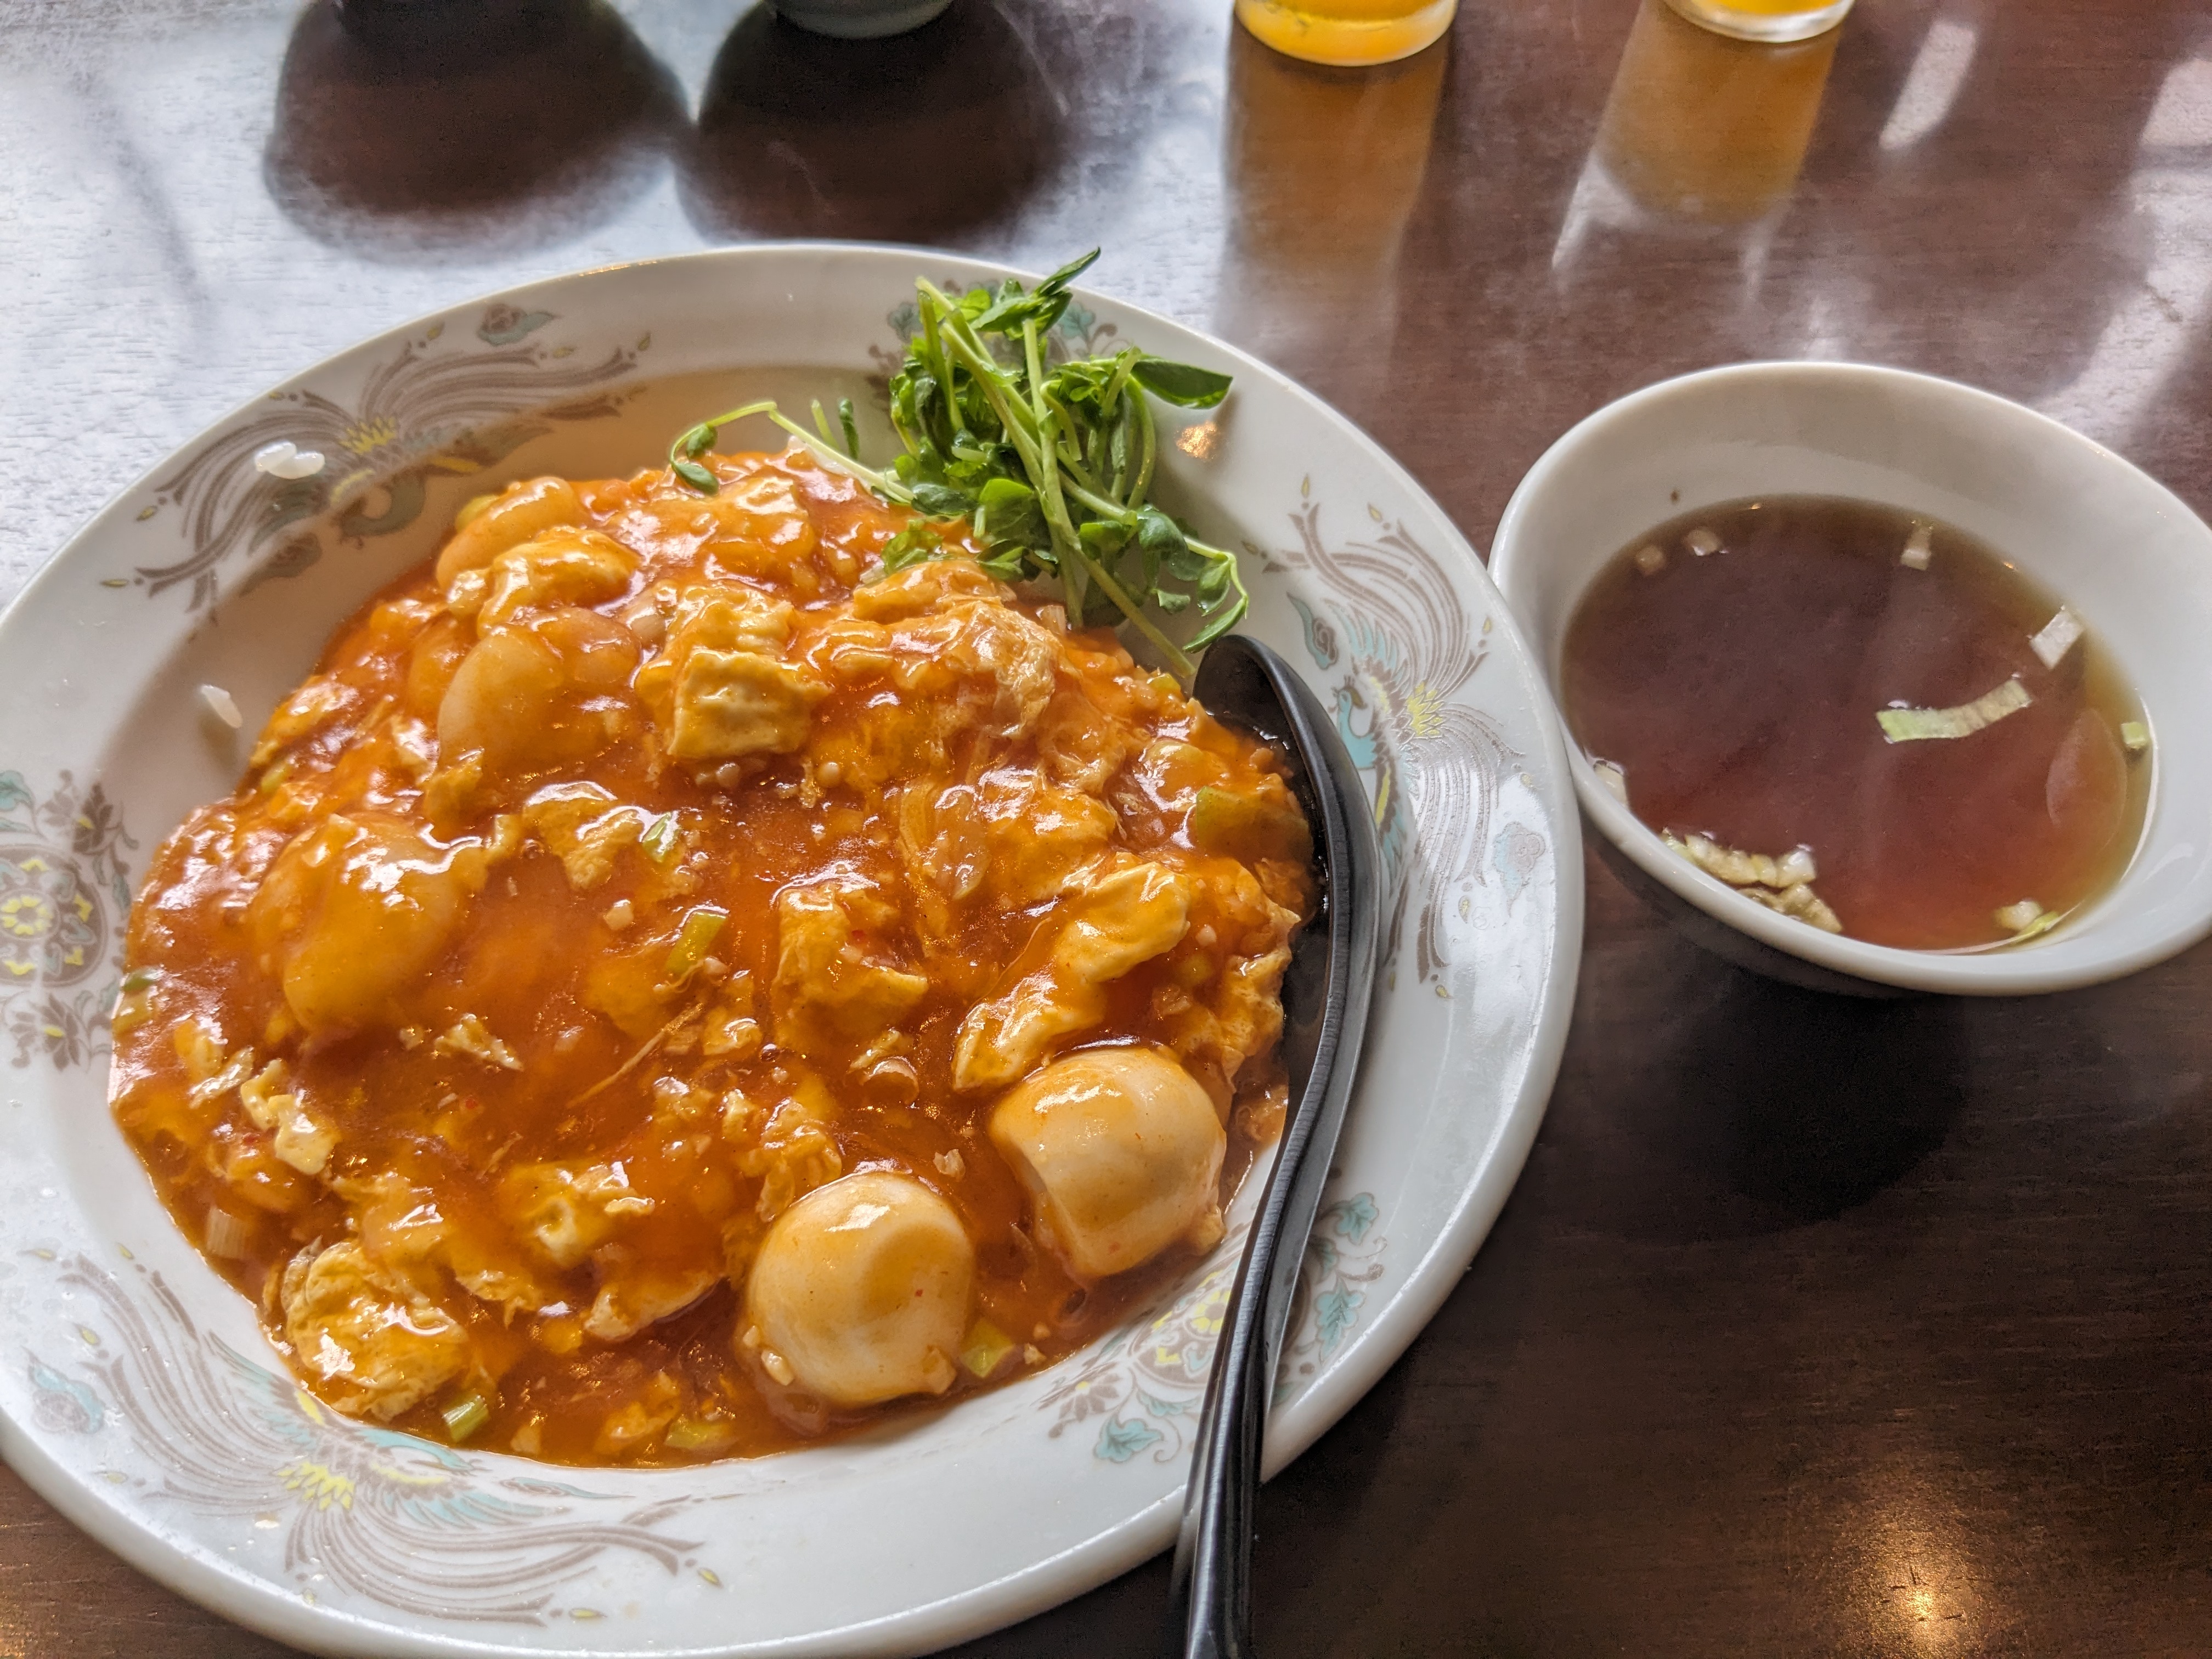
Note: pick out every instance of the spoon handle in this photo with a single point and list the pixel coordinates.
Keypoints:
(1214, 1554)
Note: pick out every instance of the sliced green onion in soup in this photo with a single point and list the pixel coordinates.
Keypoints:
(2056, 637)
(1914, 724)
(2025, 919)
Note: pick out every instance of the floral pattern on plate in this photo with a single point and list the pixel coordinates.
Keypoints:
(426, 412)
(382, 1516)
(64, 893)
(1397, 637)
(1148, 1386)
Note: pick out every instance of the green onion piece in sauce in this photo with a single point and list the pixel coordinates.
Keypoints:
(466, 1415)
(985, 1348)
(659, 840)
(693, 1434)
(694, 940)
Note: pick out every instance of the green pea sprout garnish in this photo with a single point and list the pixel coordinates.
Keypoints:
(1051, 468)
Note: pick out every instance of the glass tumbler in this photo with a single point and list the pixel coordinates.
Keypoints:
(1764, 20)
(1350, 33)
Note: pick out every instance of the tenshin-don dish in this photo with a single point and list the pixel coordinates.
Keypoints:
(668, 987)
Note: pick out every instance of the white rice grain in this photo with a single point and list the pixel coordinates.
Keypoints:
(223, 706)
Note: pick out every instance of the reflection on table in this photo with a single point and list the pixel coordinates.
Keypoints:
(1323, 168)
(1702, 134)
(914, 139)
(399, 134)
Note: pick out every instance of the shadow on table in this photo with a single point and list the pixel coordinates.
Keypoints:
(1702, 1102)
(1809, 1104)
(408, 130)
(914, 138)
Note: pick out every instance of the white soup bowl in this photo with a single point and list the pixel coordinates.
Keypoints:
(2121, 550)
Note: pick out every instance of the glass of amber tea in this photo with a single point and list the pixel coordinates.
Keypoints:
(1765, 19)
(1347, 31)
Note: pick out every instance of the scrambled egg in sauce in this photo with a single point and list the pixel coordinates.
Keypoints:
(659, 994)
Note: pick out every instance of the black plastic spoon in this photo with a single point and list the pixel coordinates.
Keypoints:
(1325, 997)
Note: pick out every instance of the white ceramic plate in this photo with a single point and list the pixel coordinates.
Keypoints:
(137, 1392)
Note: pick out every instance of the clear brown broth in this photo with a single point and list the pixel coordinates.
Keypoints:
(1739, 693)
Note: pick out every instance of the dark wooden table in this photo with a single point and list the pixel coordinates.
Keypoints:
(1814, 1326)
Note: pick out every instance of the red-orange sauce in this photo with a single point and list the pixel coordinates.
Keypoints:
(546, 1027)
